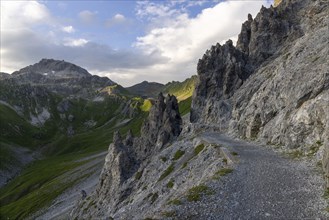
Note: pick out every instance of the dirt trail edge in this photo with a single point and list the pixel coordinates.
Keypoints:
(263, 185)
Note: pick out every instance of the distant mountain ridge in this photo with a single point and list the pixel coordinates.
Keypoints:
(146, 89)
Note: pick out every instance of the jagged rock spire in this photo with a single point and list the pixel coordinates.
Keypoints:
(117, 140)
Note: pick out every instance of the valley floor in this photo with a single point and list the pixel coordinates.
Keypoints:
(263, 185)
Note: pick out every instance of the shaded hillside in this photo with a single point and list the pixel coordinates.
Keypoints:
(146, 89)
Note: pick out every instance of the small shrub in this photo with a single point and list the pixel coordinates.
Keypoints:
(170, 184)
(184, 165)
(295, 154)
(198, 149)
(175, 202)
(167, 172)
(225, 160)
(168, 214)
(178, 154)
(194, 194)
(313, 150)
(222, 172)
(234, 153)
(318, 142)
(138, 175)
(164, 159)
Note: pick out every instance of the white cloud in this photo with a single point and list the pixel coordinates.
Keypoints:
(68, 29)
(184, 40)
(168, 51)
(87, 17)
(117, 19)
(19, 14)
(75, 42)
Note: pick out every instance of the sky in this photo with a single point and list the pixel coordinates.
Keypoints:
(127, 41)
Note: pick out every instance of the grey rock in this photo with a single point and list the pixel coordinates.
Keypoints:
(162, 126)
(274, 85)
(126, 157)
(325, 159)
(129, 141)
(70, 131)
(64, 106)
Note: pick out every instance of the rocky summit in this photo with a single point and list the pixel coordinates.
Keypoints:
(60, 77)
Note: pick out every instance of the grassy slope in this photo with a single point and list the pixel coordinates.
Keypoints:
(16, 129)
(42, 181)
(185, 106)
(182, 90)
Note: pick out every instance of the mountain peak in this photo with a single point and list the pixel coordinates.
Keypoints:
(55, 68)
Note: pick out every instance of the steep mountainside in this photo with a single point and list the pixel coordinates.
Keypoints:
(53, 120)
(273, 86)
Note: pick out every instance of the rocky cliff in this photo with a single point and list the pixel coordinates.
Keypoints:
(126, 159)
(273, 85)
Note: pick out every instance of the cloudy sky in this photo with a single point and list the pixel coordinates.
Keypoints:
(128, 41)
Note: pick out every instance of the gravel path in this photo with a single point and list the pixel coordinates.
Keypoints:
(263, 185)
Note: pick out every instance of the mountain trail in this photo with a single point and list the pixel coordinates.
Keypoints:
(263, 185)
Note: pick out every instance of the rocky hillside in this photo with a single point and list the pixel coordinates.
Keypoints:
(60, 77)
(51, 113)
(47, 107)
(273, 86)
(128, 158)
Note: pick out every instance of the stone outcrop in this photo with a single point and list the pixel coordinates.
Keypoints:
(126, 157)
(119, 166)
(273, 86)
(162, 125)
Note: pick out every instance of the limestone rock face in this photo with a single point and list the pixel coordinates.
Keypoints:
(223, 69)
(274, 85)
(163, 124)
(119, 166)
(126, 157)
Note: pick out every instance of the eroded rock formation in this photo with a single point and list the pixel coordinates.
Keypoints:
(273, 86)
(126, 157)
